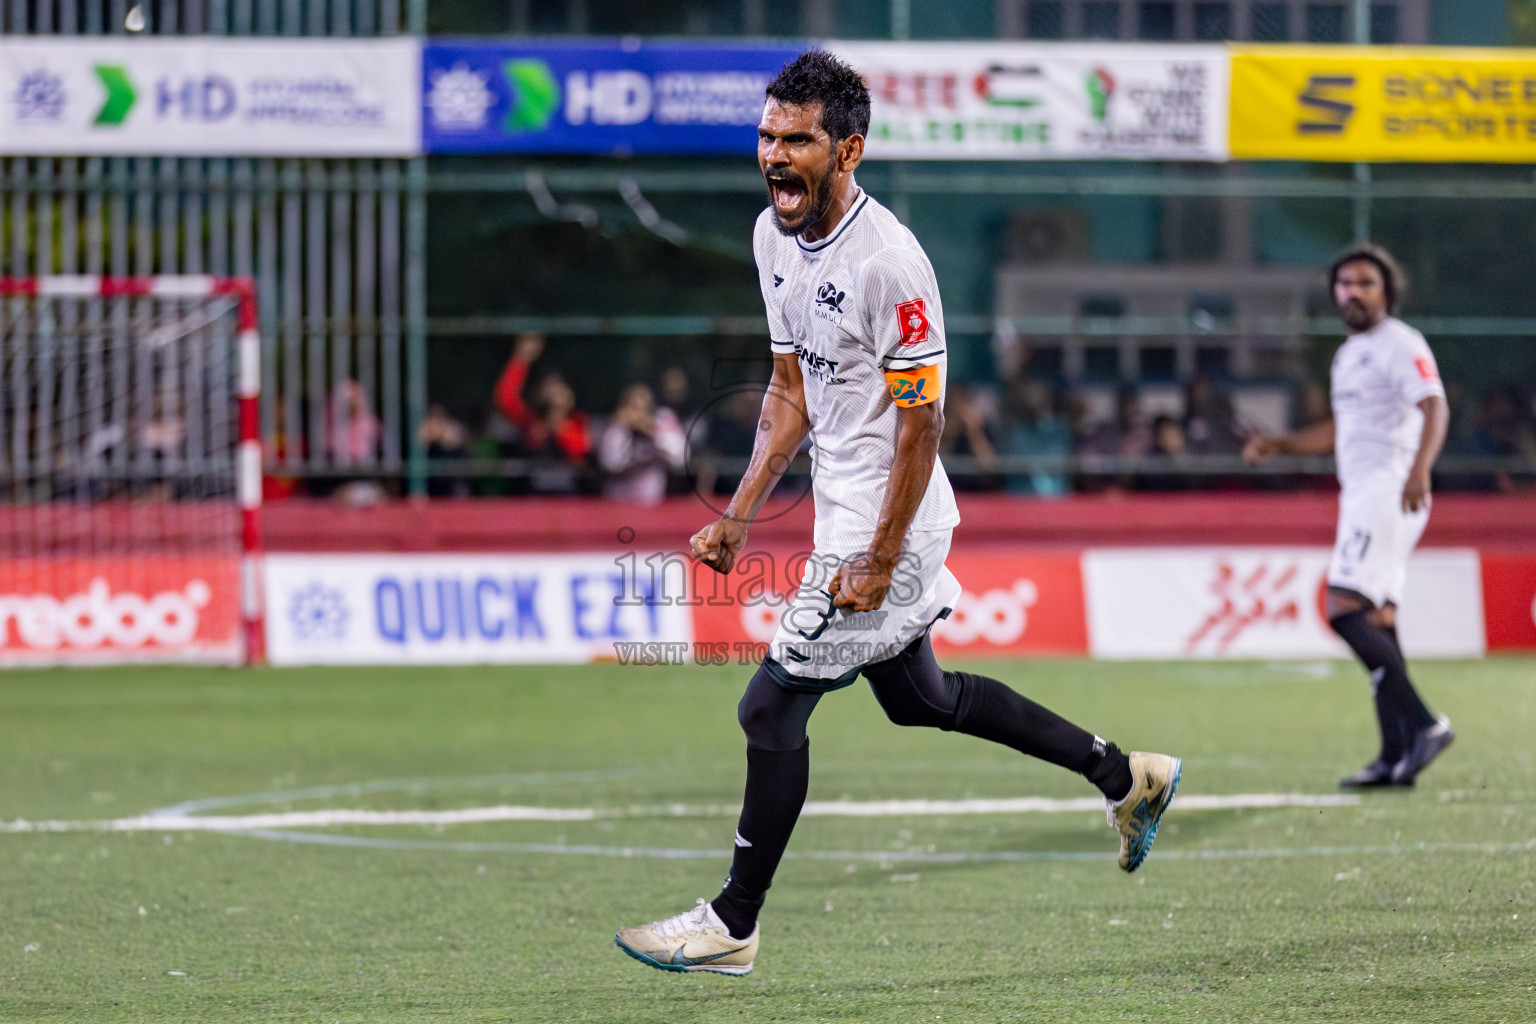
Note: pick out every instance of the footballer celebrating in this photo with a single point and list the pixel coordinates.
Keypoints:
(857, 332)
(1389, 423)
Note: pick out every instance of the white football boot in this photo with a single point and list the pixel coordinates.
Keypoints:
(695, 940)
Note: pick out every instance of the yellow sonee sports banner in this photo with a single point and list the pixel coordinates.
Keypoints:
(1383, 103)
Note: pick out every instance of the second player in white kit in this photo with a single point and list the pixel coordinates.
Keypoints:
(1389, 423)
(1379, 377)
(857, 335)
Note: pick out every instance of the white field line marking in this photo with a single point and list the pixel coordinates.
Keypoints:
(888, 858)
(339, 817)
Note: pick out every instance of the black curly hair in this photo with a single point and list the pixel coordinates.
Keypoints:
(818, 77)
(1393, 280)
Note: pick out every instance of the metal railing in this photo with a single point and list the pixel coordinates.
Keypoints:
(336, 246)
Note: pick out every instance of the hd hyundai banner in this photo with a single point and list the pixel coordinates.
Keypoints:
(615, 98)
(210, 97)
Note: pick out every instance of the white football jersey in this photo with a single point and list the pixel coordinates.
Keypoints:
(1379, 378)
(854, 306)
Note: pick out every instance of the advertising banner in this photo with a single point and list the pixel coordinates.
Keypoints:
(1264, 603)
(599, 98)
(1043, 101)
(100, 610)
(1509, 596)
(1383, 103)
(467, 609)
(210, 97)
(1013, 603)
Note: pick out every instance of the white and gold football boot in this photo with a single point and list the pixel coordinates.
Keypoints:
(695, 940)
(1154, 781)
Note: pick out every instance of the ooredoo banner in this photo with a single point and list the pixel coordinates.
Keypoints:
(93, 611)
(1043, 101)
(209, 96)
(1264, 603)
(466, 609)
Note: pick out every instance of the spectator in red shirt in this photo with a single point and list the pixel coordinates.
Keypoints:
(555, 434)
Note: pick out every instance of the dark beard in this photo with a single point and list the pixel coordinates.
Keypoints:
(816, 213)
(1355, 316)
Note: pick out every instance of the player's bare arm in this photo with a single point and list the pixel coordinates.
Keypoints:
(1316, 439)
(1437, 418)
(781, 429)
(861, 585)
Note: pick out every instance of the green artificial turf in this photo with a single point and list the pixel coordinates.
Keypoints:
(1412, 906)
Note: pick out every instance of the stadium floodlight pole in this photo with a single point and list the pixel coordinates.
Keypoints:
(1362, 232)
(248, 391)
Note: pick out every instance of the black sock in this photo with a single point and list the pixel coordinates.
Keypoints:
(777, 781)
(1407, 699)
(992, 711)
(1399, 711)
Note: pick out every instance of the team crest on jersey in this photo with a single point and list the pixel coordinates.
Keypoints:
(829, 302)
(912, 321)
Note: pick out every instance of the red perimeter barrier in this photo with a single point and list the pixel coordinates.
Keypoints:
(1506, 523)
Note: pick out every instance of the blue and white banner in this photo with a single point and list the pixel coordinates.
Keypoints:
(616, 98)
(207, 96)
(429, 609)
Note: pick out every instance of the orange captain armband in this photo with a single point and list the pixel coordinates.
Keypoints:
(914, 387)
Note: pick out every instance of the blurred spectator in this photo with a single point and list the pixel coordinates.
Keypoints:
(732, 433)
(638, 446)
(1169, 448)
(1209, 428)
(1168, 437)
(1501, 430)
(553, 432)
(281, 445)
(1128, 435)
(966, 437)
(1036, 427)
(444, 437)
(676, 393)
(163, 436)
(353, 432)
(353, 429)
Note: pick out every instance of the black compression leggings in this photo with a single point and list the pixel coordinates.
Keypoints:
(914, 691)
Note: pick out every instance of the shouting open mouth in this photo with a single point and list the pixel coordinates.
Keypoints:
(790, 198)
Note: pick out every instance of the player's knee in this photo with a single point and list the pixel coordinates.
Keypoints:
(913, 698)
(771, 717)
(1340, 603)
(767, 728)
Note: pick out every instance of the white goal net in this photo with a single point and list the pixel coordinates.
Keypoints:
(129, 470)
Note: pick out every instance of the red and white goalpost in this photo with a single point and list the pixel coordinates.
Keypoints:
(130, 470)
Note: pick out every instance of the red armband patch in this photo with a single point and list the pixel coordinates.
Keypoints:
(1426, 367)
(912, 322)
